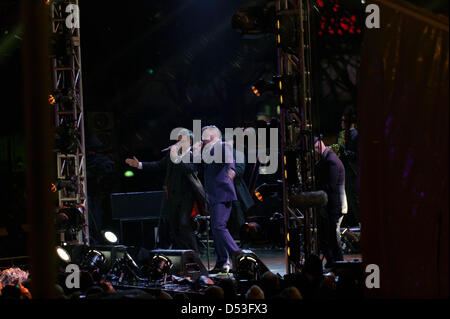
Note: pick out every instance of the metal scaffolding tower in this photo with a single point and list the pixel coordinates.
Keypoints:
(293, 31)
(67, 99)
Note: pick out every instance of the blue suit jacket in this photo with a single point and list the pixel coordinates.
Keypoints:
(219, 187)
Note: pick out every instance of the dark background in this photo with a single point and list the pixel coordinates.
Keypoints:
(151, 66)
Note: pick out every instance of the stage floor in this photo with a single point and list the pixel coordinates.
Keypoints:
(273, 258)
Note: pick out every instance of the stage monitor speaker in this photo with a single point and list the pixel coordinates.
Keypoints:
(352, 266)
(186, 263)
(138, 205)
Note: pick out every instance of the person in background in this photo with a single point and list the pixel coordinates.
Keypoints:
(330, 174)
(181, 194)
(348, 153)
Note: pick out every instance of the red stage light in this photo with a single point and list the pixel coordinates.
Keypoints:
(51, 99)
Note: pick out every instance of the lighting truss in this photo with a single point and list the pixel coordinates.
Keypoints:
(296, 126)
(68, 109)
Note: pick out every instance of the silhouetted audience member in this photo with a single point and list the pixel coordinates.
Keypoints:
(270, 284)
(254, 293)
(59, 292)
(229, 288)
(86, 280)
(214, 293)
(13, 276)
(164, 296)
(348, 286)
(180, 297)
(327, 290)
(11, 292)
(309, 280)
(291, 293)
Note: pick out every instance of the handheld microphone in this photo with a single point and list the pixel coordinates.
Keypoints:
(166, 149)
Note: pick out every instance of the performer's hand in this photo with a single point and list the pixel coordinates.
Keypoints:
(231, 174)
(133, 162)
(174, 154)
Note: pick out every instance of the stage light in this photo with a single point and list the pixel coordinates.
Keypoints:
(258, 195)
(61, 222)
(110, 236)
(281, 85)
(94, 260)
(150, 71)
(125, 268)
(128, 173)
(269, 190)
(63, 254)
(70, 185)
(247, 268)
(160, 266)
(262, 86)
(51, 99)
(66, 138)
(69, 218)
(66, 101)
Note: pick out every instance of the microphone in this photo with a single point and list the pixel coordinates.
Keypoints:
(309, 199)
(168, 148)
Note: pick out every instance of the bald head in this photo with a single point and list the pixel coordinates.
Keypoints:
(211, 134)
(319, 147)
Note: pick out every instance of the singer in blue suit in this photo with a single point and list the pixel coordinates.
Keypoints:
(220, 192)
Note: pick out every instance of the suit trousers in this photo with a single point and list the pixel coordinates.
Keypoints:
(329, 227)
(181, 231)
(225, 245)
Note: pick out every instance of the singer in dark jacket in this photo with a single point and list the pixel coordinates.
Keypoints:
(330, 173)
(181, 194)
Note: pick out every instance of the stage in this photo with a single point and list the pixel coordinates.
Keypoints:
(273, 258)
